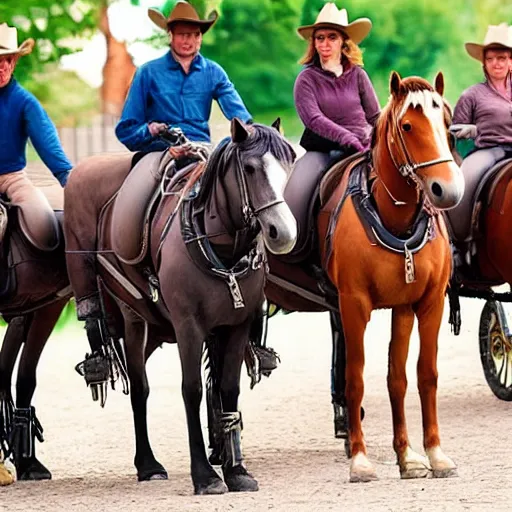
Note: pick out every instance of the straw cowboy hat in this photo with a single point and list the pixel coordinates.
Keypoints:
(498, 36)
(9, 42)
(331, 17)
(183, 12)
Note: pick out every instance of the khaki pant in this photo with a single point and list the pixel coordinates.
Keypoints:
(37, 218)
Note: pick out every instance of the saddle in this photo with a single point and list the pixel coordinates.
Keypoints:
(17, 247)
(302, 195)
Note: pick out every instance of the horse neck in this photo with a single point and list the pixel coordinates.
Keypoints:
(397, 199)
(223, 218)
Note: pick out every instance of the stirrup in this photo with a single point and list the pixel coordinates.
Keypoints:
(95, 369)
(268, 358)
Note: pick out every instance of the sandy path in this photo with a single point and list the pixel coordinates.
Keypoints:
(288, 439)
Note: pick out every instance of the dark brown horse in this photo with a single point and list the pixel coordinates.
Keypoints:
(487, 263)
(200, 281)
(35, 290)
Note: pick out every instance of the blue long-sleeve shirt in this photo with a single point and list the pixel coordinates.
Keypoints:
(161, 91)
(21, 117)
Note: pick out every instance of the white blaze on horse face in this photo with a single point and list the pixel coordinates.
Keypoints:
(278, 224)
(442, 193)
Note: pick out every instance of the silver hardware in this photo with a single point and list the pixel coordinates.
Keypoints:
(236, 294)
(409, 266)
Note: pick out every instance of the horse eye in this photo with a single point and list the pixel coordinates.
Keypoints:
(250, 169)
(407, 127)
(435, 104)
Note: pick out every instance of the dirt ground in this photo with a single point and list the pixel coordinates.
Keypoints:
(288, 436)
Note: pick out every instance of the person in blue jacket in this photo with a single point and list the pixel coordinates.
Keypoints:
(22, 117)
(177, 89)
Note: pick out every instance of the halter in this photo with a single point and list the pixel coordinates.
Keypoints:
(409, 168)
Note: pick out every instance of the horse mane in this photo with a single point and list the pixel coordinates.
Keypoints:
(262, 139)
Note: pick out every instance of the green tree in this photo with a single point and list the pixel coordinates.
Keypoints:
(256, 44)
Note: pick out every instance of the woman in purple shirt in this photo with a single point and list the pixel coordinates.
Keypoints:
(338, 106)
(333, 95)
(484, 113)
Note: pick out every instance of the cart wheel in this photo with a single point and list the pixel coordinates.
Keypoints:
(496, 350)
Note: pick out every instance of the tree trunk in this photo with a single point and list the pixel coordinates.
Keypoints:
(117, 72)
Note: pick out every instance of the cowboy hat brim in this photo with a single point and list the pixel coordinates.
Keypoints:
(25, 48)
(162, 22)
(357, 30)
(476, 50)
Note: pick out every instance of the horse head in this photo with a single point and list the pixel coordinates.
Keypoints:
(253, 169)
(412, 136)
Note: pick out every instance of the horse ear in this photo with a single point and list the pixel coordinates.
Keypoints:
(394, 83)
(439, 83)
(239, 131)
(277, 125)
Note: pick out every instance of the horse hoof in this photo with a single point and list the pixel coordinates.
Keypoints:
(361, 469)
(239, 480)
(445, 473)
(413, 465)
(6, 476)
(411, 473)
(33, 470)
(157, 472)
(214, 486)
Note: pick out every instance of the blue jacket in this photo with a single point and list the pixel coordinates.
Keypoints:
(161, 91)
(21, 117)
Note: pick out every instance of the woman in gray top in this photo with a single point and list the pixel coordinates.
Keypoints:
(484, 113)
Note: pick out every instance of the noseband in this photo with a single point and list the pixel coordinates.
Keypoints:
(249, 212)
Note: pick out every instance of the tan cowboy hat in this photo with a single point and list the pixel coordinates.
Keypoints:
(498, 36)
(184, 12)
(331, 17)
(9, 42)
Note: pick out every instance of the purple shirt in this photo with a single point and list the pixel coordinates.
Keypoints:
(341, 108)
(482, 105)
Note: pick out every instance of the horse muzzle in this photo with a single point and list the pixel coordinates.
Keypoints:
(443, 193)
(279, 228)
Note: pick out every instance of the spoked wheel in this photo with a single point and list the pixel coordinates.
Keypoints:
(496, 349)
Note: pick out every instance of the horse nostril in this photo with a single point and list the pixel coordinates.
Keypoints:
(272, 232)
(437, 190)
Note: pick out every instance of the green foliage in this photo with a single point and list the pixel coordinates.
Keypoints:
(256, 44)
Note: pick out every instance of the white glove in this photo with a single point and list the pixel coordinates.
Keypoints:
(464, 131)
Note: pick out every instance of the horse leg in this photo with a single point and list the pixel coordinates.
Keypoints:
(355, 313)
(14, 338)
(26, 427)
(230, 419)
(190, 345)
(136, 337)
(412, 464)
(430, 313)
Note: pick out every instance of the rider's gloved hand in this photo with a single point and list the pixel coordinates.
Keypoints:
(156, 129)
(464, 131)
(354, 143)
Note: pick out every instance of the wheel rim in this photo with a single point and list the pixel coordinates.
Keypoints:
(500, 352)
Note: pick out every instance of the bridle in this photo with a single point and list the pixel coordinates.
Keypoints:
(406, 166)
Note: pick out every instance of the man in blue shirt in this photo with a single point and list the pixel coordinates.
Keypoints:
(178, 88)
(21, 117)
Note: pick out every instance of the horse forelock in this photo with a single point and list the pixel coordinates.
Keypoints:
(414, 92)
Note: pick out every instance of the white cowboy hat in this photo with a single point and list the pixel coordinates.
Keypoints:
(498, 36)
(9, 42)
(331, 17)
(184, 12)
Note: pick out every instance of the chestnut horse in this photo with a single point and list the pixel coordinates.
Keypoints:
(387, 247)
(35, 290)
(207, 259)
